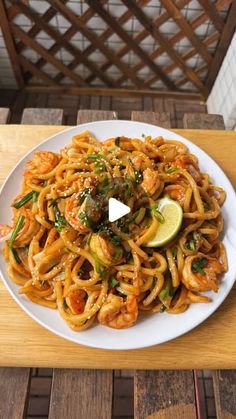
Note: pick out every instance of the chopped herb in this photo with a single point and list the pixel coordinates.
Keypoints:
(112, 282)
(117, 141)
(26, 249)
(132, 217)
(172, 170)
(116, 240)
(23, 200)
(163, 294)
(118, 253)
(137, 175)
(98, 167)
(199, 264)
(16, 256)
(154, 282)
(16, 230)
(94, 156)
(60, 221)
(163, 308)
(65, 305)
(157, 213)
(171, 290)
(174, 252)
(100, 268)
(192, 245)
(35, 196)
(86, 192)
(85, 220)
(196, 235)
(124, 229)
(143, 135)
(54, 201)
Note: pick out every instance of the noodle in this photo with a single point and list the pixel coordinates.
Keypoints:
(65, 254)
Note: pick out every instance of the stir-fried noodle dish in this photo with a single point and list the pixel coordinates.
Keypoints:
(65, 253)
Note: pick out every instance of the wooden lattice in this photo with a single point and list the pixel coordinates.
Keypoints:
(36, 64)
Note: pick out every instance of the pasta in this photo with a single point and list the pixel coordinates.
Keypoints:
(66, 255)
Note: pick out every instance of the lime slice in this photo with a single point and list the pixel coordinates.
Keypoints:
(166, 231)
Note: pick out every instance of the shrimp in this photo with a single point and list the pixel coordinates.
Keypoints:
(137, 164)
(186, 162)
(76, 301)
(151, 181)
(118, 314)
(203, 278)
(42, 162)
(81, 216)
(105, 252)
(176, 192)
(4, 230)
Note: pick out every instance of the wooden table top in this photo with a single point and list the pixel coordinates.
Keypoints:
(23, 342)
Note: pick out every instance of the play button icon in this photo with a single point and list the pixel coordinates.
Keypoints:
(116, 210)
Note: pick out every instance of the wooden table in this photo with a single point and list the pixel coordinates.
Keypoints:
(210, 345)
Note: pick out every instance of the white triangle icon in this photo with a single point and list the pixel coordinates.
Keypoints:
(116, 209)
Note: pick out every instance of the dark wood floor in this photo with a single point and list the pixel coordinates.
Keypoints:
(17, 101)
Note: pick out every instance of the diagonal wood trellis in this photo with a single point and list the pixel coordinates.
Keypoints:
(83, 71)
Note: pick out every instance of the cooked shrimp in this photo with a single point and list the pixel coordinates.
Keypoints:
(118, 314)
(151, 181)
(197, 277)
(42, 162)
(106, 253)
(186, 162)
(76, 301)
(137, 164)
(4, 230)
(176, 192)
(81, 216)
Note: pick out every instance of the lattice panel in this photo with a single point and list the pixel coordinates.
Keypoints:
(142, 44)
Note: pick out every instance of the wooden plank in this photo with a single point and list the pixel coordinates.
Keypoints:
(112, 22)
(203, 121)
(14, 383)
(88, 115)
(213, 14)
(164, 394)
(9, 42)
(225, 393)
(179, 19)
(61, 40)
(226, 36)
(86, 394)
(65, 89)
(161, 119)
(4, 115)
(94, 39)
(34, 70)
(153, 31)
(148, 104)
(46, 55)
(41, 116)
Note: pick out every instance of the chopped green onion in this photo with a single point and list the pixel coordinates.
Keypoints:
(23, 200)
(118, 253)
(98, 167)
(35, 196)
(117, 141)
(157, 213)
(163, 308)
(65, 305)
(199, 264)
(86, 192)
(154, 282)
(143, 135)
(174, 252)
(85, 220)
(137, 175)
(112, 282)
(116, 240)
(16, 230)
(132, 217)
(172, 170)
(60, 221)
(16, 256)
(163, 294)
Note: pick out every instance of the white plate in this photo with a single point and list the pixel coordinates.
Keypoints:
(149, 330)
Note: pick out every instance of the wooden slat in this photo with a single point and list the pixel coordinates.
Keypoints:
(225, 393)
(161, 119)
(164, 394)
(153, 30)
(35, 71)
(187, 29)
(41, 116)
(211, 11)
(94, 39)
(203, 121)
(44, 53)
(81, 394)
(88, 115)
(14, 384)
(222, 47)
(4, 115)
(6, 31)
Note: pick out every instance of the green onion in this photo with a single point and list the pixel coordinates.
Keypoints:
(118, 253)
(86, 192)
(16, 230)
(112, 282)
(171, 290)
(137, 175)
(60, 221)
(154, 282)
(98, 167)
(143, 135)
(199, 264)
(85, 220)
(117, 141)
(23, 200)
(163, 308)
(157, 213)
(163, 294)
(65, 305)
(16, 256)
(35, 196)
(132, 217)
(174, 252)
(116, 240)
(172, 170)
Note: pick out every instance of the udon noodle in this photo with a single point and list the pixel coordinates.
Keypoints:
(66, 255)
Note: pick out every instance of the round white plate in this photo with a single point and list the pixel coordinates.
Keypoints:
(152, 329)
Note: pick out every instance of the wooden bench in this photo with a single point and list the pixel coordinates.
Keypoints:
(87, 394)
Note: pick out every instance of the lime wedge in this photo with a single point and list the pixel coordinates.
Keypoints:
(173, 217)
